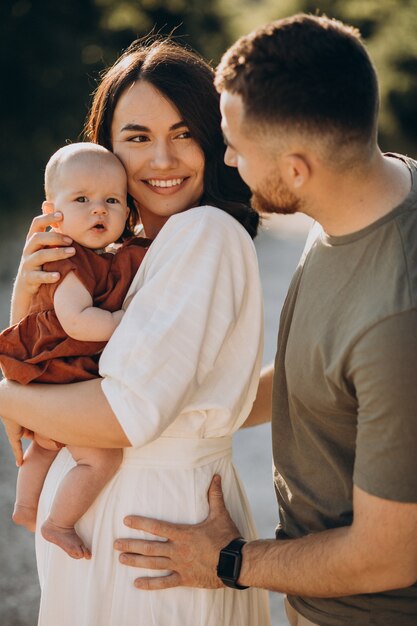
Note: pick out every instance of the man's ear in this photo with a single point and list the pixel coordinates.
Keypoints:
(297, 170)
(49, 208)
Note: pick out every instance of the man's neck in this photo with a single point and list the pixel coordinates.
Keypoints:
(348, 202)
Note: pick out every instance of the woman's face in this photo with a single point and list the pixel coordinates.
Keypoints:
(164, 164)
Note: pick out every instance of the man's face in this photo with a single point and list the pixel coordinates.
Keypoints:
(257, 165)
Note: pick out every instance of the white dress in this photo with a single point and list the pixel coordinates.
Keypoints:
(181, 374)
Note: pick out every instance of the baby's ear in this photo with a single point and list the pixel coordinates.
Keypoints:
(49, 208)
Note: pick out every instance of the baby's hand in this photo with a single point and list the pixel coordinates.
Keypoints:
(15, 433)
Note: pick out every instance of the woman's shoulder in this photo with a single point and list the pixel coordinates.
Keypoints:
(202, 234)
(209, 219)
(206, 212)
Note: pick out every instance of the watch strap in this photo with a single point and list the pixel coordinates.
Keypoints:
(230, 562)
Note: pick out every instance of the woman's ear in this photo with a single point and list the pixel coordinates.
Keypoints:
(49, 208)
(297, 170)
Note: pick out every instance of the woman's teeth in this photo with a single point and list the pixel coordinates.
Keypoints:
(165, 183)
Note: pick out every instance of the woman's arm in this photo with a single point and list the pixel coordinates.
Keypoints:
(261, 412)
(167, 346)
(40, 248)
(78, 317)
(76, 414)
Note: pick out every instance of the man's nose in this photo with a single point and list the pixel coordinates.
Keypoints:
(230, 157)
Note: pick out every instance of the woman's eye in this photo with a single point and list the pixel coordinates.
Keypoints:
(139, 139)
(81, 199)
(184, 135)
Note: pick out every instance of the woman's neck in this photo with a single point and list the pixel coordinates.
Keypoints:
(152, 223)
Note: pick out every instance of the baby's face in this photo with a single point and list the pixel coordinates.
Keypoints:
(91, 193)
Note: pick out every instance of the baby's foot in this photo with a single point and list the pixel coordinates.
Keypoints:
(25, 516)
(65, 538)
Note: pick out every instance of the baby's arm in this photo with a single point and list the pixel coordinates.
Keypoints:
(77, 315)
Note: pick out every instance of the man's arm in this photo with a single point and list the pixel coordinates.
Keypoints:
(376, 553)
(262, 407)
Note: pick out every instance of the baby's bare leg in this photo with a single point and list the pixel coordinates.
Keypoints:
(30, 479)
(76, 493)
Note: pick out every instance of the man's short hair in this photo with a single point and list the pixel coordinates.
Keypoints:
(306, 73)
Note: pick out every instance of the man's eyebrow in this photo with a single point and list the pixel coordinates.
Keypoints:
(145, 129)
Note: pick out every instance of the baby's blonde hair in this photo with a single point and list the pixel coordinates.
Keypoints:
(64, 155)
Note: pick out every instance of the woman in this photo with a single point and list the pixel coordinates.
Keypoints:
(180, 373)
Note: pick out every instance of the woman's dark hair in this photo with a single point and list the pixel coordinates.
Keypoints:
(187, 81)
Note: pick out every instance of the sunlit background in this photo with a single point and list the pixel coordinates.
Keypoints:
(52, 53)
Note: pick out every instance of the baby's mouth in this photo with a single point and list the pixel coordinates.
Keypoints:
(98, 227)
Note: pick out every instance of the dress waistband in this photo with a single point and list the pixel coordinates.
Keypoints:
(179, 452)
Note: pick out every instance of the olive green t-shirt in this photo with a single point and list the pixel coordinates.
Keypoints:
(345, 394)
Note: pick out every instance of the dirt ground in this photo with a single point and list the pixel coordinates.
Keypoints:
(279, 246)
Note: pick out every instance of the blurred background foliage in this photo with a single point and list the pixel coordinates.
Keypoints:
(53, 52)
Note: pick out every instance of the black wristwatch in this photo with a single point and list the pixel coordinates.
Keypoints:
(230, 562)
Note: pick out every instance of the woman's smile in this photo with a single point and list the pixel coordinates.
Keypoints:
(166, 186)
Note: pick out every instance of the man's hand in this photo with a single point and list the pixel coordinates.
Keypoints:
(191, 552)
(15, 434)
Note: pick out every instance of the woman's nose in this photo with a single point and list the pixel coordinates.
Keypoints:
(163, 156)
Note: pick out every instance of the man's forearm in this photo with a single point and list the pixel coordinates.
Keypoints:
(326, 564)
(262, 407)
(376, 553)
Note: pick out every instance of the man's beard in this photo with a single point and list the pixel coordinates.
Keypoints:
(280, 199)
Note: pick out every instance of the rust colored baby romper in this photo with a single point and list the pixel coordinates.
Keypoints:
(37, 349)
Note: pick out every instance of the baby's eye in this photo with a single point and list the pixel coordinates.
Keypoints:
(81, 199)
(112, 200)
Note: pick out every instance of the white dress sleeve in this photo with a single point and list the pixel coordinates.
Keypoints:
(192, 334)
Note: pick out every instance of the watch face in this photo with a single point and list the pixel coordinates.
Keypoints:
(228, 565)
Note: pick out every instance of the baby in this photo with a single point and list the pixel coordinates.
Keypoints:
(68, 324)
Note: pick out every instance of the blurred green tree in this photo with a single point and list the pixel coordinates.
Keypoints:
(52, 53)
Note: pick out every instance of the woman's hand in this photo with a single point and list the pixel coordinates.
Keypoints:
(40, 247)
(15, 434)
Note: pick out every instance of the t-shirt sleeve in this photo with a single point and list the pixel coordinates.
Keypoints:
(174, 328)
(384, 372)
(79, 263)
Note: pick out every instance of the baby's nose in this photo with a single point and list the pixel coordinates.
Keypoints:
(100, 208)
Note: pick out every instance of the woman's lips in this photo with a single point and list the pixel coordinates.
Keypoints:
(165, 186)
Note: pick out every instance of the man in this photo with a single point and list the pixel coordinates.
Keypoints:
(299, 100)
